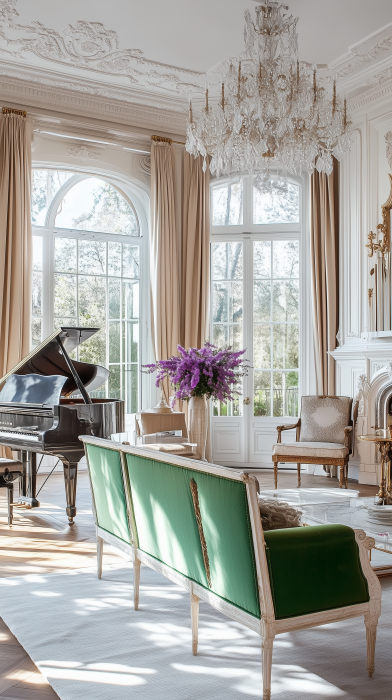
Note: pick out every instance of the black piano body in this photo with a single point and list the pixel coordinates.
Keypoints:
(43, 416)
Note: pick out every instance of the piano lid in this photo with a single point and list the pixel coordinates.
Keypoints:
(47, 360)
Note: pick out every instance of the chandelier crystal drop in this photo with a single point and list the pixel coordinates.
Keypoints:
(271, 111)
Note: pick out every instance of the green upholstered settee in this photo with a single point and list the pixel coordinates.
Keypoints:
(199, 525)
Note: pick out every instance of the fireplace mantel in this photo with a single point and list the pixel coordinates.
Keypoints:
(363, 369)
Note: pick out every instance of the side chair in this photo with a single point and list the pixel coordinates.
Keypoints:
(324, 435)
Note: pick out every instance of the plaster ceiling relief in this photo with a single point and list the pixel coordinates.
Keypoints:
(90, 46)
(158, 53)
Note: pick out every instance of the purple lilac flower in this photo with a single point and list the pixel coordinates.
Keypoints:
(206, 371)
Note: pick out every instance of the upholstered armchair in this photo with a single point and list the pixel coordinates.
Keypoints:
(324, 435)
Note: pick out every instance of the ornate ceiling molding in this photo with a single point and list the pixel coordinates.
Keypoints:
(90, 46)
(371, 98)
(68, 101)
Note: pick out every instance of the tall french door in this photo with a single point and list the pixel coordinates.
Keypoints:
(256, 306)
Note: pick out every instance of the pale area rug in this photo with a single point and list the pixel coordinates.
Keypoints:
(87, 640)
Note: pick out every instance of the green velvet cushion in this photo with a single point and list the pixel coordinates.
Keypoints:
(108, 491)
(167, 527)
(313, 569)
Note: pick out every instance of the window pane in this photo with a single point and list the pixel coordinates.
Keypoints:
(114, 389)
(92, 257)
(94, 205)
(279, 207)
(114, 259)
(114, 341)
(130, 341)
(285, 301)
(130, 384)
(286, 259)
(131, 261)
(37, 293)
(262, 259)
(227, 204)
(130, 299)
(285, 346)
(65, 254)
(262, 393)
(220, 335)
(94, 349)
(37, 253)
(46, 183)
(277, 398)
(92, 302)
(262, 301)
(36, 332)
(262, 346)
(291, 394)
(64, 295)
(114, 298)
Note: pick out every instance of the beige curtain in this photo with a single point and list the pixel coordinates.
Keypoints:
(195, 290)
(324, 238)
(164, 255)
(15, 240)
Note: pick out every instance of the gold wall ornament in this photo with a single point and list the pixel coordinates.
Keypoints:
(380, 275)
(371, 237)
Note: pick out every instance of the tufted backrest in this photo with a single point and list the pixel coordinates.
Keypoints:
(324, 418)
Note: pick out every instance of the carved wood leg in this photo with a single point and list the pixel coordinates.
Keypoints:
(10, 500)
(136, 582)
(345, 475)
(99, 556)
(341, 476)
(266, 658)
(299, 474)
(195, 622)
(276, 474)
(371, 633)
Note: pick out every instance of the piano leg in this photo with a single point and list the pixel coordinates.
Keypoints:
(28, 493)
(70, 479)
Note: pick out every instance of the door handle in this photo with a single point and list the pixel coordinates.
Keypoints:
(246, 401)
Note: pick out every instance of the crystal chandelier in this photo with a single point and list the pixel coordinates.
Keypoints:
(271, 111)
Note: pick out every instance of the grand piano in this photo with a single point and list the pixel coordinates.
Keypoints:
(38, 413)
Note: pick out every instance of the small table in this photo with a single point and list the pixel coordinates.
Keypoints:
(384, 446)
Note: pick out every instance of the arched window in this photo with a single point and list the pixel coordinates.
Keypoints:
(87, 257)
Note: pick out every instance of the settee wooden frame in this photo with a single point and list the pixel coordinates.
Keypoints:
(267, 626)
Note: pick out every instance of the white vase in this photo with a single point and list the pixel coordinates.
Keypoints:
(197, 424)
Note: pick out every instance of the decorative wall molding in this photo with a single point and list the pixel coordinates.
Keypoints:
(67, 101)
(83, 152)
(369, 98)
(388, 141)
(145, 168)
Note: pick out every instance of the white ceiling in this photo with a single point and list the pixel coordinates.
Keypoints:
(178, 40)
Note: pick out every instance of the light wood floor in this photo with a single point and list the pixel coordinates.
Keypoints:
(40, 541)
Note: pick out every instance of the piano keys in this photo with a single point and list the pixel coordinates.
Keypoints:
(39, 414)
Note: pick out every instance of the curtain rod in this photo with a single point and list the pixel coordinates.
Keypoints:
(165, 139)
(10, 110)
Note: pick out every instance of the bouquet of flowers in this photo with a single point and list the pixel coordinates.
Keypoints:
(202, 372)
